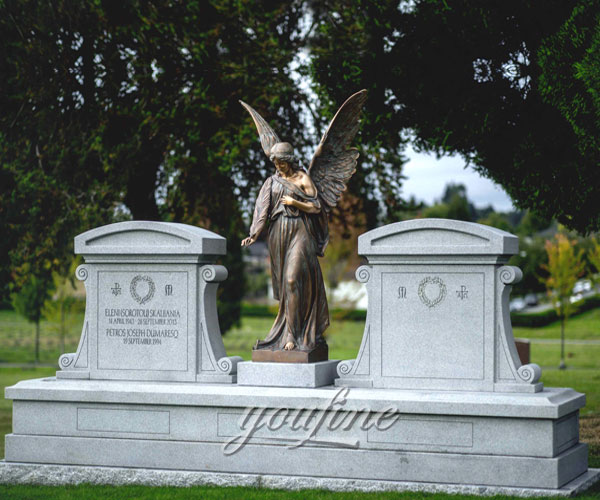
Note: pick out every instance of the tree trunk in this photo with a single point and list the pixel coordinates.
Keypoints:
(562, 365)
(37, 342)
(62, 328)
(140, 197)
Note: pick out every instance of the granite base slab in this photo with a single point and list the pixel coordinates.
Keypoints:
(316, 374)
(62, 475)
(485, 439)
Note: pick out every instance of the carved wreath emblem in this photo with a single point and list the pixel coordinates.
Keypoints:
(441, 291)
(133, 289)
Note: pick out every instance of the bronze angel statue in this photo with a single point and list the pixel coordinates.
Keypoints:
(295, 205)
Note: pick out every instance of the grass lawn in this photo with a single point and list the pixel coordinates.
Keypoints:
(344, 337)
(17, 338)
(86, 492)
(585, 326)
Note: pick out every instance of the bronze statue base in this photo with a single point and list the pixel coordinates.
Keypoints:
(319, 353)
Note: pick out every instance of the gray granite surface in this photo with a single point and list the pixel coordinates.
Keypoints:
(436, 399)
(150, 305)
(59, 475)
(287, 374)
(438, 315)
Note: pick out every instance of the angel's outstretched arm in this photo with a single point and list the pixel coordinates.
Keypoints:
(261, 213)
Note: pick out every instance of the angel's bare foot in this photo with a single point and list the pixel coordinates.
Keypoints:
(289, 346)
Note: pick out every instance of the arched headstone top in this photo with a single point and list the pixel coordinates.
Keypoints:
(149, 238)
(431, 237)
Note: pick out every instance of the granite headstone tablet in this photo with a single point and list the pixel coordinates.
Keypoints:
(151, 305)
(438, 314)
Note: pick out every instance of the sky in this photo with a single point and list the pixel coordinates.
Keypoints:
(426, 178)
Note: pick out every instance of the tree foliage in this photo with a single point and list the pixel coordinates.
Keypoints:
(129, 109)
(111, 104)
(564, 266)
(594, 258)
(512, 86)
(29, 303)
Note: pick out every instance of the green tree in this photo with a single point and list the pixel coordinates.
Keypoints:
(564, 266)
(59, 309)
(29, 302)
(482, 79)
(532, 223)
(497, 220)
(594, 258)
(135, 104)
(453, 205)
(531, 258)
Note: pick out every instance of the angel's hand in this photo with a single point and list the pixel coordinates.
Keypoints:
(288, 200)
(248, 241)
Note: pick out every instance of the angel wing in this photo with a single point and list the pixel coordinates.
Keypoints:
(333, 162)
(268, 137)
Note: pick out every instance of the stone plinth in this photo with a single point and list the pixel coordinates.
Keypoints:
(62, 475)
(287, 374)
(494, 439)
(150, 305)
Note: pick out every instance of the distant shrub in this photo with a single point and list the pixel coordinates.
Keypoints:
(258, 310)
(529, 320)
(533, 320)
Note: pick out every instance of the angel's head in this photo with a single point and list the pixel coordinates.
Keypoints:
(282, 154)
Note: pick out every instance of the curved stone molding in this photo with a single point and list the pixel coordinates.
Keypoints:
(345, 367)
(510, 374)
(75, 364)
(213, 273)
(66, 361)
(510, 275)
(82, 272)
(214, 365)
(530, 373)
(363, 274)
(228, 364)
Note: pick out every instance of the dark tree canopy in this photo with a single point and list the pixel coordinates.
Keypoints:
(105, 102)
(130, 109)
(512, 85)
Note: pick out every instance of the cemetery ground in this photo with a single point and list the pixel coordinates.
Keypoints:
(16, 363)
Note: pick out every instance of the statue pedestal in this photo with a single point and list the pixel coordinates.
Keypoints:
(319, 353)
(287, 374)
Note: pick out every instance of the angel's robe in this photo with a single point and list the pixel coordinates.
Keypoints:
(295, 240)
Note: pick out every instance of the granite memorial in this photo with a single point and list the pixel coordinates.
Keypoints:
(436, 399)
(151, 305)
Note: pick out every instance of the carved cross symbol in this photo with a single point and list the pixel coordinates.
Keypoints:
(116, 290)
(463, 293)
